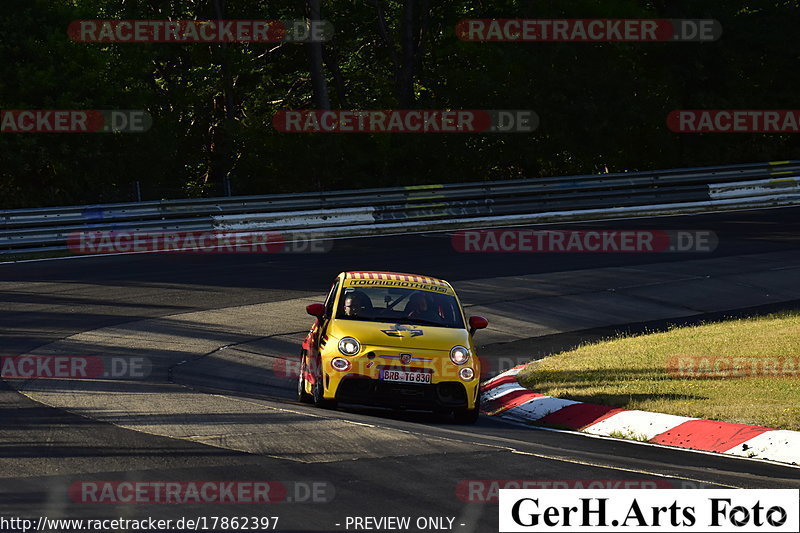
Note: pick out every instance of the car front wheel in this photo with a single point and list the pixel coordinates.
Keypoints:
(468, 416)
(318, 396)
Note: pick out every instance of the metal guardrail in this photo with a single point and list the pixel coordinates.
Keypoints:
(391, 210)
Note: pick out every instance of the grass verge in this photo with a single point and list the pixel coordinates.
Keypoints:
(743, 371)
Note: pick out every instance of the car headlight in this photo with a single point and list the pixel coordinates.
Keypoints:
(459, 355)
(466, 373)
(349, 346)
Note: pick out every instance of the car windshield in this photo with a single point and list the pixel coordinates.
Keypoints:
(405, 306)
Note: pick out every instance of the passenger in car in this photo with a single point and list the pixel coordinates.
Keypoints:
(420, 306)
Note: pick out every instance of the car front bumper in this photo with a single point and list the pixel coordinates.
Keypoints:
(444, 395)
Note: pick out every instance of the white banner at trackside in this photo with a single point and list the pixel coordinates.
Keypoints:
(646, 510)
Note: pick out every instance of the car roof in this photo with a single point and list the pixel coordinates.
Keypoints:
(400, 276)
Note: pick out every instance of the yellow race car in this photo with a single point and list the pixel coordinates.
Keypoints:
(392, 340)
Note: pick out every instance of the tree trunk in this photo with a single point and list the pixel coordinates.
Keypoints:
(315, 61)
(222, 160)
(414, 25)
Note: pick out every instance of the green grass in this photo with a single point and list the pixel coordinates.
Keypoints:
(630, 435)
(633, 372)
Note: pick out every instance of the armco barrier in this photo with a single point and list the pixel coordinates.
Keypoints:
(420, 208)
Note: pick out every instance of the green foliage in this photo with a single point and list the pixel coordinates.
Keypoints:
(602, 106)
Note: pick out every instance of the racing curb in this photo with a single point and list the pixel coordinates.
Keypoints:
(504, 397)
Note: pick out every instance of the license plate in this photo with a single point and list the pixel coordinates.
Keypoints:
(405, 376)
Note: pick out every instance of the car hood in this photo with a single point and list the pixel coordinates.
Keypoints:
(395, 335)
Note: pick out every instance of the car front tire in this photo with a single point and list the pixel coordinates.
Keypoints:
(318, 396)
(468, 416)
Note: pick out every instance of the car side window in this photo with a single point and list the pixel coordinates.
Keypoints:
(331, 298)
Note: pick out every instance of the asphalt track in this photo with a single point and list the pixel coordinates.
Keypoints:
(369, 462)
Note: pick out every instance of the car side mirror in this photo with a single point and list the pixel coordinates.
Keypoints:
(317, 310)
(476, 323)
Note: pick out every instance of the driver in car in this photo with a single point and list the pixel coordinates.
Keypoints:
(356, 304)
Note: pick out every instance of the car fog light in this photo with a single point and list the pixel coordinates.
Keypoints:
(466, 373)
(340, 363)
